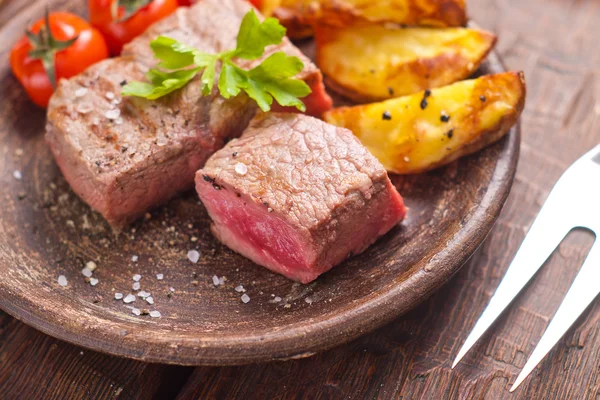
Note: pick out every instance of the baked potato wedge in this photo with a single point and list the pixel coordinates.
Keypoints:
(432, 128)
(298, 16)
(438, 13)
(372, 63)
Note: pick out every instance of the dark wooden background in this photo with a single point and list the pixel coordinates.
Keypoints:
(556, 43)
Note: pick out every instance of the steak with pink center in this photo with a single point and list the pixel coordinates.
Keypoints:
(297, 195)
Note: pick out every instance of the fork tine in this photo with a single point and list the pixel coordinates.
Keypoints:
(583, 291)
(545, 235)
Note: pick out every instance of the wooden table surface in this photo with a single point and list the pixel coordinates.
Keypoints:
(555, 43)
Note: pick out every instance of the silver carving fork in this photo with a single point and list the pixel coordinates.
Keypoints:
(573, 203)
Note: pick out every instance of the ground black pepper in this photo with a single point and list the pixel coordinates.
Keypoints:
(424, 103)
(445, 118)
(450, 133)
(482, 98)
(386, 116)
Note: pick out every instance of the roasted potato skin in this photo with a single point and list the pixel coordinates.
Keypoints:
(426, 130)
(437, 13)
(373, 63)
(299, 16)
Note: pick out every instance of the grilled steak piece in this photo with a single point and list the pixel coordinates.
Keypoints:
(124, 156)
(297, 195)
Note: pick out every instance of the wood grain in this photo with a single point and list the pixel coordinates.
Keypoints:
(46, 232)
(36, 366)
(554, 42)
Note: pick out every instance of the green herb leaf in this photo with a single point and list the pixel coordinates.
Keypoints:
(208, 77)
(272, 79)
(162, 84)
(172, 54)
(254, 36)
(232, 80)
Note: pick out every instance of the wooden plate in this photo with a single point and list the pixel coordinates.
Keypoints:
(46, 231)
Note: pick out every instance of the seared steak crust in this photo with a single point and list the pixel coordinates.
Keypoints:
(323, 193)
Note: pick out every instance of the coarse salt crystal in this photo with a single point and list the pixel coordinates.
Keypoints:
(308, 300)
(277, 299)
(155, 314)
(136, 311)
(82, 91)
(93, 281)
(110, 95)
(119, 121)
(17, 175)
(172, 289)
(62, 280)
(245, 298)
(193, 256)
(136, 286)
(137, 277)
(91, 265)
(160, 277)
(118, 296)
(240, 289)
(150, 300)
(241, 168)
(84, 108)
(129, 299)
(135, 259)
(86, 272)
(143, 294)
(113, 114)
(96, 121)
(215, 280)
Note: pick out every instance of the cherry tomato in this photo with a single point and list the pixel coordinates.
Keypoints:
(75, 45)
(122, 28)
(256, 3)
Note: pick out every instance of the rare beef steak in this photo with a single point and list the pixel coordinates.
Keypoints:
(297, 195)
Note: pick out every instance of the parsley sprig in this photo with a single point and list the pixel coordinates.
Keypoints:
(271, 79)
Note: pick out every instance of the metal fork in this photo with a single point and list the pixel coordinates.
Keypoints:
(574, 202)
